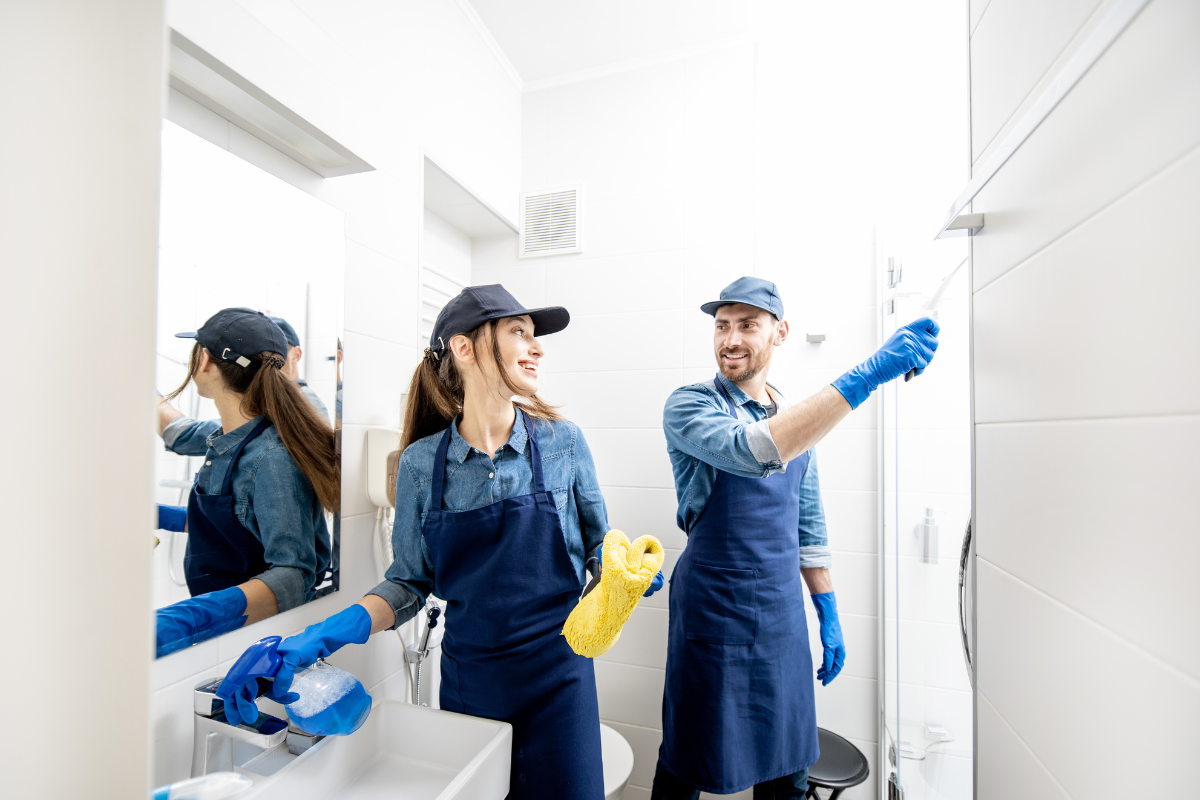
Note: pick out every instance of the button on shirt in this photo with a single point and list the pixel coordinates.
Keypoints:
(271, 498)
(473, 479)
(703, 438)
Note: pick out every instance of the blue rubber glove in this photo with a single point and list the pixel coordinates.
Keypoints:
(655, 584)
(910, 347)
(831, 637)
(204, 616)
(350, 626)
(239, 706)
(172, 518)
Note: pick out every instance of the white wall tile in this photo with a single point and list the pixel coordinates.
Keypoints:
(634, 282)
(1089, 679)
(603, 400)
(605, 342)
(1083, 289)
(861, 635)
(846, 459)
(375, 374)
(1123, 122)
(630, 694)
(1013, 46)
(381, 295)
(643, 640)
(637, 224)
(631, 457)
(638, 512)
(851, 518)
(527, 282)
(848, 706)
(1006, 766)
(856, 582)
(1055, 511)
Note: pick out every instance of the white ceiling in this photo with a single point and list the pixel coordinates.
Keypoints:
(549, 38)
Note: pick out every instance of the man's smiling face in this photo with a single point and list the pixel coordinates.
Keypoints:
(743, 337)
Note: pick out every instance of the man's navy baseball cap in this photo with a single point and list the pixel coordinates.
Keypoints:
(289, 333)
(234, 334)
(751, 291)
(476, 305)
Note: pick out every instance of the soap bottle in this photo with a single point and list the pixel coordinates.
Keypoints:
(332, 701)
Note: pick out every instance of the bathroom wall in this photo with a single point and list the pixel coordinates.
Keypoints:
(391, 81)
(1087, 418)
(82, 99)
(705, 167)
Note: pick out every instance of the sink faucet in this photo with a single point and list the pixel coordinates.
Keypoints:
(213, 736)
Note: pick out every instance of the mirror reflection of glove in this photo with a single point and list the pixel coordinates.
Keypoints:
(910, 347)
(198, 618)
(655, 584)
(831, 637)
(351, 626)
(172, 518)
(239, 706)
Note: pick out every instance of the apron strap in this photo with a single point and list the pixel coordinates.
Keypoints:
(725, 393)
(535, 453)
(227, 482)
(439, 470)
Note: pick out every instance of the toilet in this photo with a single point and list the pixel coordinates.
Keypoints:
(618, 762)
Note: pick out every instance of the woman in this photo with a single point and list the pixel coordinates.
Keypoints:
(497, 507)
(257, 540)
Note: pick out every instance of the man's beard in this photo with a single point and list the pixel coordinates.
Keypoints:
(753, 364)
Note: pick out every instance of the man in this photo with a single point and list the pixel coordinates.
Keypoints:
(291, 369)
(738, 708)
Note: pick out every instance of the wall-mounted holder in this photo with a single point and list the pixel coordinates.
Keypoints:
(962, 225)
(816, 338)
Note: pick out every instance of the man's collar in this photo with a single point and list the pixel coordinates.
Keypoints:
(740, 398)
(224, 442)
(459, 449)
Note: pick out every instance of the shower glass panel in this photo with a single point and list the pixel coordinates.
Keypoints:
(925, 503)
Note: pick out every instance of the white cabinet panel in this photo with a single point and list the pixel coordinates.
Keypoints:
(1079, 696)
(1135, 112)
(1092, 325)
(1095, 513)
(376, 374)
(1012, 48)
(1007, 767)
(381, 295)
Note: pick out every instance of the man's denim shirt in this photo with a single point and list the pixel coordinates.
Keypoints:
(272, 499)
(567, 471)
(702, 438)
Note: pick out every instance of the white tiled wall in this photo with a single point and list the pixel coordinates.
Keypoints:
(1085, 430)
(390, 81)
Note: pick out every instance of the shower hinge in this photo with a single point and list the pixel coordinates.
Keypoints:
(889, 306)
(895, 272)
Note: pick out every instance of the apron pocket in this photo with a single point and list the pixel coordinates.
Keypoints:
(722, 604)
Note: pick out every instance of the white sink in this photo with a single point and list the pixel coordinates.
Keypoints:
(402, 752)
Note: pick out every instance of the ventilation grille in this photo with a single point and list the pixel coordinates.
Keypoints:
(436, 290)
(550, 222)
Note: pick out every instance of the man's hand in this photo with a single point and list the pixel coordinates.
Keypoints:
(831, 637)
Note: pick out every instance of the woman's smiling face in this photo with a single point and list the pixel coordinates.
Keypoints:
(520, 352)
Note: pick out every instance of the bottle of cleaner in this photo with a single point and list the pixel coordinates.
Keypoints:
(332, 701)
(214, 786)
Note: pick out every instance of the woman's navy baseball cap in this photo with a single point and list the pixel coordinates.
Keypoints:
(751, 291)
(476, 305)
(233, 334)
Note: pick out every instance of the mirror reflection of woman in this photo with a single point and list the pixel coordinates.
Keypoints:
(497, 511)
(257, 539)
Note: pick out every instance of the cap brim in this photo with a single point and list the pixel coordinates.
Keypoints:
(191, 335)
(548, 320)
(711, 308)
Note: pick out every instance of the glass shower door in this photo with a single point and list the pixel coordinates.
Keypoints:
(924, 505)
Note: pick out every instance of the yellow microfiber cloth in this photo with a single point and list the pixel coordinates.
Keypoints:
(627, 569)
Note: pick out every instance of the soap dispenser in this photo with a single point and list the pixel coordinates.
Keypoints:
(927, 538)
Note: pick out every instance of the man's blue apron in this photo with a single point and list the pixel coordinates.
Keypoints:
(504, 571)
(220, 551)
(738, 705)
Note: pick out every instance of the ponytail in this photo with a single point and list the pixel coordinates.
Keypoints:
(306, 435)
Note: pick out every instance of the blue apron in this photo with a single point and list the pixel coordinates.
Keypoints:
(738, 703)
(220, 551)
(504, 571)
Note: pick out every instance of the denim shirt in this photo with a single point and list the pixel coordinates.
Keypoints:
(271, 498)
(703, 439)
(567, 471)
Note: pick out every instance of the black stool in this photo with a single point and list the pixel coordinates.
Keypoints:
(840, 766)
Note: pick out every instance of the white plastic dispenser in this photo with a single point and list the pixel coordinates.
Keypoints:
(927, 538)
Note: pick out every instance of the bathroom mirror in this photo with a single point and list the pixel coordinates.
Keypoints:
(232, 235)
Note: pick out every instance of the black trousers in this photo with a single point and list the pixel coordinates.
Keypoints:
(789, 787)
